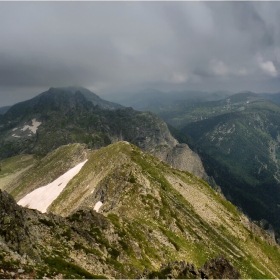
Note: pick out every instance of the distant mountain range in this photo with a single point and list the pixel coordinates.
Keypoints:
(156, 100)
(275, 98)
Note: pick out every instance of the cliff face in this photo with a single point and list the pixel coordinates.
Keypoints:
(154, 137)
(182, 157)
(124, 212)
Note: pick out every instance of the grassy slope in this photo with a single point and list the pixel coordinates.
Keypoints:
(11, 168)
(159, 214)
(45, 170)
(170, 214)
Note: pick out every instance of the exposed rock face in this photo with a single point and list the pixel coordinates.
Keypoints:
(159, 142)
(173, 270)
(33, 244)
(180, 156)
(265, 225)
(14, 228)
(219, 268)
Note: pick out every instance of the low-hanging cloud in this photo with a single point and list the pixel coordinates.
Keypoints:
(114, 46)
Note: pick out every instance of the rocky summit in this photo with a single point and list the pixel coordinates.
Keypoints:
(126, 214)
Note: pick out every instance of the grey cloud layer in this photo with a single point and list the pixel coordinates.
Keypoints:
(107, 46)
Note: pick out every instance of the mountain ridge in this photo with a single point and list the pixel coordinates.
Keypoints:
(58, 117)
(181, 218)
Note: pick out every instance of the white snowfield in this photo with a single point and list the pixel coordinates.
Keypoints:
(97, 206)
(43, 197)
(33, 127)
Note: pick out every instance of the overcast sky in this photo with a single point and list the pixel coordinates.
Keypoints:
(127, 46)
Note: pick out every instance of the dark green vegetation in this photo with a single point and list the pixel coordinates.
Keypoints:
(95, 99)
(275, 98)
(64, 117)
(151, 215)
(243, 156)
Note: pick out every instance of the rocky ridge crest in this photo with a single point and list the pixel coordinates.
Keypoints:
(151, 215)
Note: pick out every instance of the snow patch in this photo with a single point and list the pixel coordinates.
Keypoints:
(14, 135)
(15, 129)
(97, 206)
(33, 127)
(44, 196)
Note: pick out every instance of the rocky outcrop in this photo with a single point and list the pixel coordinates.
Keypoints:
(218, 268)
(172, 270)
(154, 137)
(14, 227)
(182, 157)
(34, 245)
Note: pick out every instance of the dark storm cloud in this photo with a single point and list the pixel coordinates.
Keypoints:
(110, 46)
(21, 71)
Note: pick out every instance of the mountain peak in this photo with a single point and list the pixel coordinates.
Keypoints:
(244, 96)
(94, 98)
